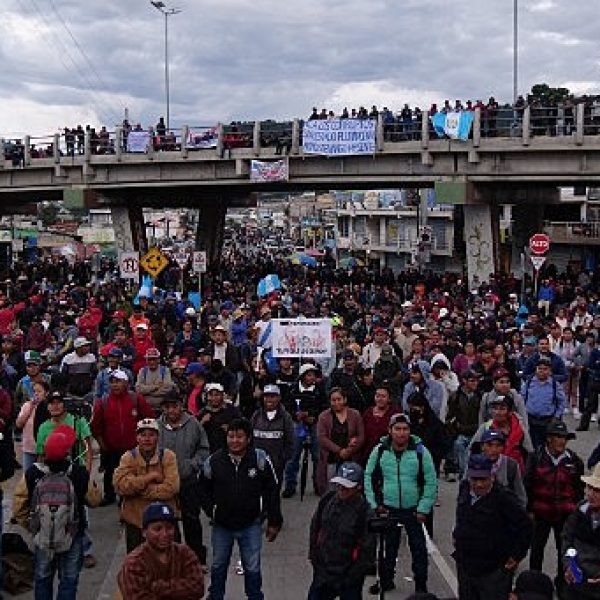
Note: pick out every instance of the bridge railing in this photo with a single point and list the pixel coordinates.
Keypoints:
(520, 125)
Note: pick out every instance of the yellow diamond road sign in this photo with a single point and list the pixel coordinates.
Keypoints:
(154, 261)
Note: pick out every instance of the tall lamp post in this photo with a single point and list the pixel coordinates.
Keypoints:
(515, 49)
(167, 12)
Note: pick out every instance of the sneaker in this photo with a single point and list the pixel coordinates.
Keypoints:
(451, 477)
(594, 418)
(576, 414)
(375, 589)
(89, 562)
(288, 493)
(239, 570)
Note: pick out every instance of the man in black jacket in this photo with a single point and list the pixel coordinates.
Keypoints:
(491, 536)
(341, 549)
(237, 486)
(306, 400)
(273, 430)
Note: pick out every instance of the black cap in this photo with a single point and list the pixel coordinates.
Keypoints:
(559, 429)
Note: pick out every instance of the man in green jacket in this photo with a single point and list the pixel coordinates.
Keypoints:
(400, 482)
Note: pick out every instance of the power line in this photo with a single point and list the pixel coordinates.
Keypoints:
(78, 45)
(62, 50)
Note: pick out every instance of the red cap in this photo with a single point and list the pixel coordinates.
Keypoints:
(59, 443)
(379, 330)
(118, 314)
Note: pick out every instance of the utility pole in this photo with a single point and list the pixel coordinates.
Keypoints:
(166, 12)
(515, 49)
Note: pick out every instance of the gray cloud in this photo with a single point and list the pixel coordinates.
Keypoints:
(267, 58)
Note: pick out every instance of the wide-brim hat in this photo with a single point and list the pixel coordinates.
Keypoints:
(593, 480)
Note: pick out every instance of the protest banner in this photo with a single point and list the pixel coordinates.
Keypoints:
(202, 140)
(335, 137)
(301, 338)
(274, 170)
(138, 141)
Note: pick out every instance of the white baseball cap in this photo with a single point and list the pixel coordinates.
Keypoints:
(214, 387)
(118, 374)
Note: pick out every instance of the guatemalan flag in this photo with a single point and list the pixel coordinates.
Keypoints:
(268, 284)
(455, 125)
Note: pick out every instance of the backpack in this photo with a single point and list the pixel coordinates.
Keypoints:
(377, 474)
(161, 372)
(54, 520)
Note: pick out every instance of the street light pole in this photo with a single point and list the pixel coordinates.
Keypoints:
(515, 49)
(166, 12)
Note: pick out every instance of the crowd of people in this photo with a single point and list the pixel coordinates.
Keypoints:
(188, 411)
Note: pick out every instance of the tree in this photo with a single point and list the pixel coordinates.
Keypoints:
(548, 95)
(48, 212)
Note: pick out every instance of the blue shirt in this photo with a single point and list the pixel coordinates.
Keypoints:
(540, 400)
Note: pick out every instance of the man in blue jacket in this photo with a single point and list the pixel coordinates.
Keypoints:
(400, 482)
(559, 369)
(544, 399)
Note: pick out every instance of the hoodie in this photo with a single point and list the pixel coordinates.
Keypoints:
(434, 390)
(189, 443)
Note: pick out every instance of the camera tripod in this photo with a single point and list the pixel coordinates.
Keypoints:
(380, 526)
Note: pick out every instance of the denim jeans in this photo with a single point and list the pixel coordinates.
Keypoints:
(68, 564)
(416, 543)
(293, 466)
(461, 444)
(28, 459)
(249, 542)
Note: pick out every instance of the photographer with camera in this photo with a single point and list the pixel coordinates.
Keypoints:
(341, 549)
(401, 484)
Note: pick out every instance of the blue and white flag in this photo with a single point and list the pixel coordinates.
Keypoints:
(455, 125)
(145, 290)
(268, 284)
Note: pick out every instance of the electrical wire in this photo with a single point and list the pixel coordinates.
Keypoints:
(63, 51)
(78, 46)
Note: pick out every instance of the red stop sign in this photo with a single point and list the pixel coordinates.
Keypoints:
(539, 243)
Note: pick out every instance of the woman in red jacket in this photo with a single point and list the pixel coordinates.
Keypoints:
(376, 420)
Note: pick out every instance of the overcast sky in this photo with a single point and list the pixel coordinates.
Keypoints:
(72, 61)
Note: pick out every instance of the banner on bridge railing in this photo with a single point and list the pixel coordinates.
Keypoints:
(302, 338)
(202, 140)
(272, 170)
(138, 141)
(455, 125)
(335, 137)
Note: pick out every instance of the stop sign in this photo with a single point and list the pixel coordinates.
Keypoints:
(539, 243)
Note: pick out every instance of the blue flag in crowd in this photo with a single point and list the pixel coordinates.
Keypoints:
(145, 290)
(195, 299)
(455, 125)
(268, 284)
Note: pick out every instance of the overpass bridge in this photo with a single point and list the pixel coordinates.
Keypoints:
(484, 171)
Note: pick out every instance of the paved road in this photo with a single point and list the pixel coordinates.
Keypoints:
(286, 571)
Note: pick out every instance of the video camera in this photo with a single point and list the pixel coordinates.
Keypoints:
(382, 524)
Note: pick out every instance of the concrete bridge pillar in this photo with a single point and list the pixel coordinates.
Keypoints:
(479, 243)
(130, 229)
(209, 236)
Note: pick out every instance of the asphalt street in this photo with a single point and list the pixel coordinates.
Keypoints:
(286, 570)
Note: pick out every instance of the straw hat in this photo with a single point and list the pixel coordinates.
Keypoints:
(593, 480)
